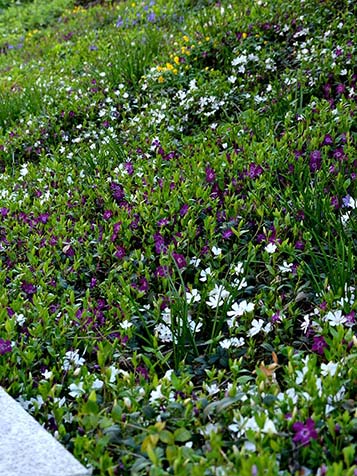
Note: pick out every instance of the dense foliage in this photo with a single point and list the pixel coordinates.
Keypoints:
(178, 232)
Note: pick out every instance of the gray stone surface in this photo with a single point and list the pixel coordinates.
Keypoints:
(27, 449)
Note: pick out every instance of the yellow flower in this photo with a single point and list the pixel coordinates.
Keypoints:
(161, 79)
(186, 38)
(175, 71)
(244, 35)
(208, 38)
(169, 66)
(133, 4)
(177, 60)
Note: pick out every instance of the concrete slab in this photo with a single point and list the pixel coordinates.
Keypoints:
(27, 449)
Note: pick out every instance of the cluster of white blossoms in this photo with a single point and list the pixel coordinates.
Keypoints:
(164, 330)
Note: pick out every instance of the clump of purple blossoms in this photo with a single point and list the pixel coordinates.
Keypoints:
(5, 346)
(304, 432)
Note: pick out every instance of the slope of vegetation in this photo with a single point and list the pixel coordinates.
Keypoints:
(178, 232)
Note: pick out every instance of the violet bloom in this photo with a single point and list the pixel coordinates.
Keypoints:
(180, 260)
(254, 170)
(120, 252)
(117, 191)
(183, 210)
(210, 175)
(328, 140)
(160, 245)
(304, 432)
(162, 271)
(28, 288)
(319, 345)
(227, 234)
(315, 161)
(107, 214)
(5, 346)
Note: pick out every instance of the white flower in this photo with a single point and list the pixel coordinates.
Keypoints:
(240, 283)
(270, 248)
(269, 427)
(24, 170)
(193, 296)
(257, 326)
(208, 429)
(239, 268)
(305, 324)
(335, 318)
(241, 308)
(195, 261)
(329, 369)
(76, 390)
(232, 342)
(72, 358)
(168, 375)
(20, 319)
(216, 251)
(344, 218)
(249, 446)
(286, 267)
(242, 59)
(164, 332)
(126, 324)
(211, 389)
(204, 274)
(47, 374)
(113, 373)
(97, 384)
(156, 395)
(217, 296)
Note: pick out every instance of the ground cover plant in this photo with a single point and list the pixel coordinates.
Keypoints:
(178, 232)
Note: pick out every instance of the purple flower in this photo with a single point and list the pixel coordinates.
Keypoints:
(107, 214)
(299, 245)
(304, 432)
(120, 252)
(128, 166)
(183, 210)
(180, 260)
(162, 271)
(210, 175)
(117, 191)
(119, 22)
(163, 222)
(339, 154)
(254, 170)
(28, 288)
(143, 284)
(160, 245)
(151, 17)
(4, 211)
(5, 346)
(226, 234)
(327, 140)
(43, 218)
(340, 88)
(315, 161)
(319, 345)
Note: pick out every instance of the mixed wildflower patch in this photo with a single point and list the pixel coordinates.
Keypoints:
(178, 232)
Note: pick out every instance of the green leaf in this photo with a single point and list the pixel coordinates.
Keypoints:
(182, 435)
(166, 437)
